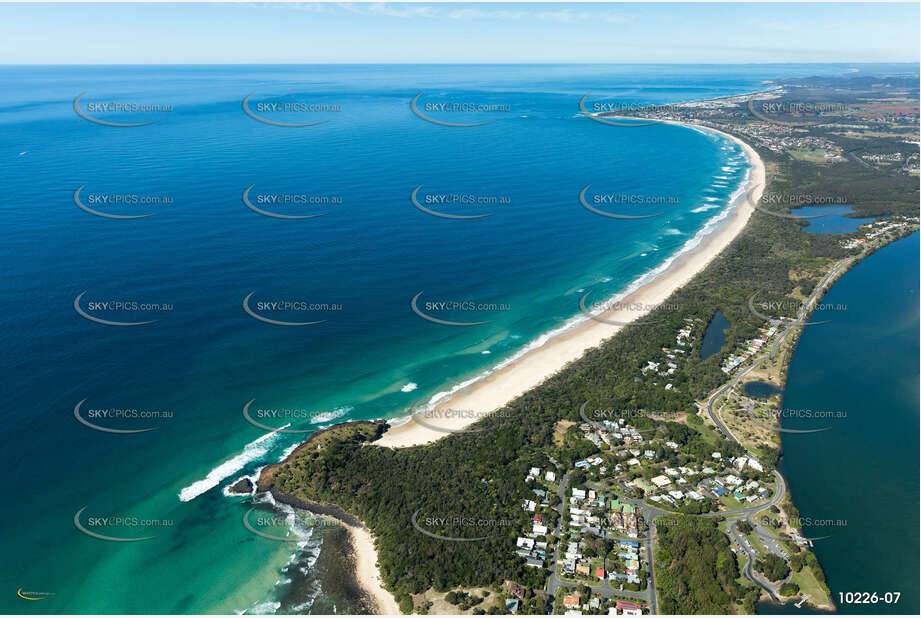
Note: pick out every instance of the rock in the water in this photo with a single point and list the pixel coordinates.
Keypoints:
(243, 487)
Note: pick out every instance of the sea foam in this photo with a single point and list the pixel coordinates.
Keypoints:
(251, 452)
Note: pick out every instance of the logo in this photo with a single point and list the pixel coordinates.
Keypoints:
(610, 214)
(277, 107)
(83, 206)
(473, 416)
(792, 304)
(278, 306)
(447, 107)
(113, 414)
(109, 521)
(756, 205)
(31, 595)
(792, 413)
(113, 306)
(452, 305)
(415, 201)
(299, 414)
(266, 213)
(121, 107)
(294, 538)
(612, 415)
(616, 305)
(613, 108)
(458, 522)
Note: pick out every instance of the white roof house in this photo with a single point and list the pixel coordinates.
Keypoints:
(525, 543)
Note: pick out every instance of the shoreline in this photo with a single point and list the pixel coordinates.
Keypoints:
(489, 393)
(366, 572)
(367, 575)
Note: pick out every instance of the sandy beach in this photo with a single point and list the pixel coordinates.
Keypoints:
(366, 571)
(504, 385)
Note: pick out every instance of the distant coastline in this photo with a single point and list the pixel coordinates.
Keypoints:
(532, 368)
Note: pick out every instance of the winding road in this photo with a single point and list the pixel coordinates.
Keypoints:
(749, 573)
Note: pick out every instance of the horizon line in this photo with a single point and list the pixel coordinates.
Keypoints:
(294, 63)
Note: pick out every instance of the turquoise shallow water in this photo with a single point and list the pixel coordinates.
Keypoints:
(204, 251)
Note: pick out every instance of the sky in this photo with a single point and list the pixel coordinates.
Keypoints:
(469, 32)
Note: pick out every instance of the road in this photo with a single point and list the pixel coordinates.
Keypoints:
(769, 541)
(751, 554)
(604, 589)
(650, 512)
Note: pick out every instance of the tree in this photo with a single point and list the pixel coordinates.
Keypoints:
(773, 566)
(788, 589)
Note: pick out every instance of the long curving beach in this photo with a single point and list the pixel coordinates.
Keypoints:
(524, 373)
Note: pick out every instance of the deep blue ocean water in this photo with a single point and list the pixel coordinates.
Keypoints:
(204, 251)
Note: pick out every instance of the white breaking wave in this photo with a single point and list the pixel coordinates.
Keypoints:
(251, 452)
(284, 455)
(486, 352)
(325, 417)
(409, 387)
(706, 208)
(692, 243)
(262, 609)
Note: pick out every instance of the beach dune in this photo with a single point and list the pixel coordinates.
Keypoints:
(499, 388)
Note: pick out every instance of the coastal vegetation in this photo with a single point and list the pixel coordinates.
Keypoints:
(446, 514)
(696, 572)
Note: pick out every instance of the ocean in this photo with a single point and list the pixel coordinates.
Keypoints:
(207, 270)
